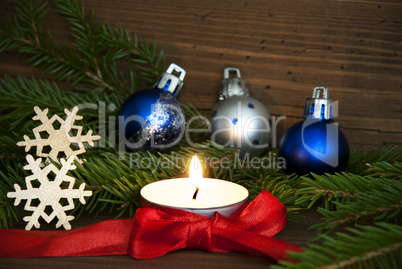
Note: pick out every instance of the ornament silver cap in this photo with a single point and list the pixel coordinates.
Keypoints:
(170, 82)
(316, 107)
(232, 86)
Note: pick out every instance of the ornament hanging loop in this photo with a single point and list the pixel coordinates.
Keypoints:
(319, 108)
(232, 86)
(317, 92)
(226, 72)
(169, 82)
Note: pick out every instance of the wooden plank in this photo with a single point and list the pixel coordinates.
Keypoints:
(283, 49)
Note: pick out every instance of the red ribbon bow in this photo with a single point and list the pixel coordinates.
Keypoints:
(155, 232)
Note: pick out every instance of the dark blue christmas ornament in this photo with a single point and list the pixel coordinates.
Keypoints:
(153, 118)
(315, 144)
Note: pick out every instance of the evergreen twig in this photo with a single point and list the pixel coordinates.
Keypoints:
(92, 60)
(341, 188)
(377, 246)
(378, 205)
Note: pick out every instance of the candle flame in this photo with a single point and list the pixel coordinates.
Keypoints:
(195, 168)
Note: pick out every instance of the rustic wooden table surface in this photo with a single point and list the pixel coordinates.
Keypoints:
(283, 49)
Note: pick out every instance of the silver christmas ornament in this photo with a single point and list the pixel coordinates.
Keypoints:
(240, 121)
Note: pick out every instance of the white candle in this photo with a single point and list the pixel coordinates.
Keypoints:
(213, 195)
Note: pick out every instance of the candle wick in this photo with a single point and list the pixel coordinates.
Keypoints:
(195, 193)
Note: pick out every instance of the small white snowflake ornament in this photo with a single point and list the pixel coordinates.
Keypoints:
(50, 139)
(49, 192)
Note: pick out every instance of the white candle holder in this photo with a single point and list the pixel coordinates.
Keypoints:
(214, 195)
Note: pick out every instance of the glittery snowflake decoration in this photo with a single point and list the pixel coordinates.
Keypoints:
(56, 135)
(49, 192)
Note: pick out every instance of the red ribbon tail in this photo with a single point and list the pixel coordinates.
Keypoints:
(105, 238)
(253, 243)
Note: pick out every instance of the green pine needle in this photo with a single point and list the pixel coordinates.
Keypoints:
(341, 188)
(375, 205)
(377, 246)
(91, 61)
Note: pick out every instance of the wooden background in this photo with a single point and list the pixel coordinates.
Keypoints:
(283, 49)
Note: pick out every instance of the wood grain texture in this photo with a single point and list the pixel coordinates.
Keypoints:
(283, 49)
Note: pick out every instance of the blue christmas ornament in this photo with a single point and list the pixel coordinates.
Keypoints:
(315, 144)
(153, 118)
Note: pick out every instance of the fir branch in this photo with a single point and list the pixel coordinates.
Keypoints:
(91, 61)
(31, 15)
(365, 247)
(86, 36)
(342, 188)
(280, 185)
(328, 193)
(143, 56)
(198, 126)
(21, 94)
(9, 149)
(385, 170)
(368, 256)
(116, 179)
(359, 159)
(51, 58)
(178, 159)
(376, 210)
(383, 205)
(113, 183)
(11, 173)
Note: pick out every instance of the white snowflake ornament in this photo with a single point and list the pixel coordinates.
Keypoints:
(50, 139)
(49, 192)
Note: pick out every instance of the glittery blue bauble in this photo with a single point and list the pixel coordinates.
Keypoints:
(152, 118)
(314, 145)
